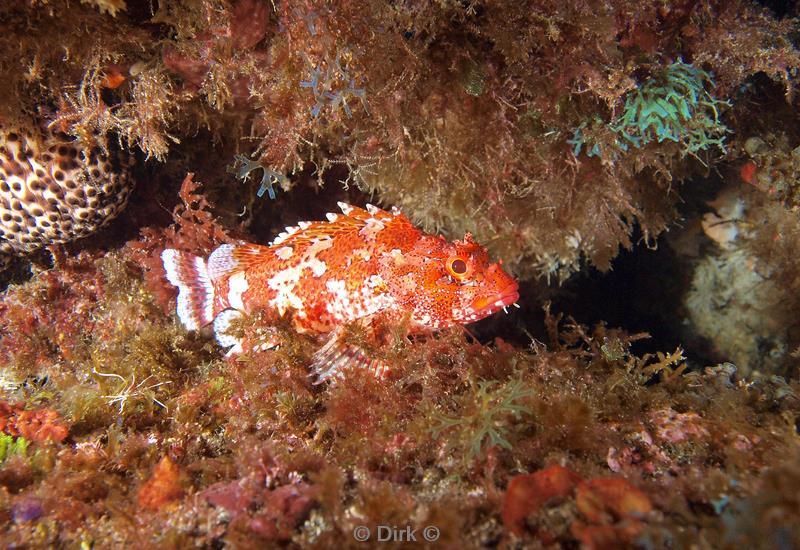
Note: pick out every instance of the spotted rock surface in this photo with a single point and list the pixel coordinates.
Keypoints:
(55, 191)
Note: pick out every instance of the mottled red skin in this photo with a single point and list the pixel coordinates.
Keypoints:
(378, 262)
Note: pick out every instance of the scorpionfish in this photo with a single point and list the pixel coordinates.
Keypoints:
(352, 267)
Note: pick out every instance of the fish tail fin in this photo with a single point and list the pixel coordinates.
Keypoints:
(195, 290)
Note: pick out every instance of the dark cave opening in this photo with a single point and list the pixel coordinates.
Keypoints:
(644, 291)
(780, 8)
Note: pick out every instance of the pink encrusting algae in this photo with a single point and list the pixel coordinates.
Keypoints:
(352, 267)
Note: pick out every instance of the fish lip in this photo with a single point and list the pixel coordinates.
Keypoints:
(509, 292)
(488, 304)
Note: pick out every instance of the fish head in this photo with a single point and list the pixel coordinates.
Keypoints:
(445, 284)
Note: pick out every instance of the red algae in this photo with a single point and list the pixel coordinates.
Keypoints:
(38, 425)
(616, 496)
(163, 487)
(526, 494)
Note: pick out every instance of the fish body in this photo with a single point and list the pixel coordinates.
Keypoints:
(350, 267)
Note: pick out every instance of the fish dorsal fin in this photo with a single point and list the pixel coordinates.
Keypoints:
(228, 259)
(352, 219)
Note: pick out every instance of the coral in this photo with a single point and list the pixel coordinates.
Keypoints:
(55, 191)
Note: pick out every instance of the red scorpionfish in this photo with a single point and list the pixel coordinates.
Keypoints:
(349, 268)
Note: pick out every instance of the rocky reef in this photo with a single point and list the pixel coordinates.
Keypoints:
(571, 138)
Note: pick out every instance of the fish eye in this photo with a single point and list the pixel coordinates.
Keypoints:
(457, 268)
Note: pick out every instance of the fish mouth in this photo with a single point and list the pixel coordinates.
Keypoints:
(487, 305)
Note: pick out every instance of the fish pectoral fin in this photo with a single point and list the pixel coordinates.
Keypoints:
(337, 356)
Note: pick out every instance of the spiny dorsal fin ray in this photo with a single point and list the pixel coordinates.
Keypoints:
(251, 254)
(228, 259)
(352, 219)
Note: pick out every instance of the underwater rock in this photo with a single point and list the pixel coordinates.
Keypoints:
(465, 121)
(245, 26)
(773, 168)
(55, 191)
(526, 494)
(738, 298)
